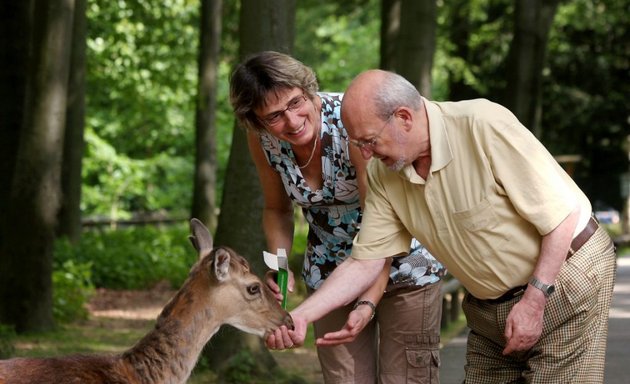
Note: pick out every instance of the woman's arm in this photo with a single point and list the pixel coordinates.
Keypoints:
(368, 300)
(277, 215)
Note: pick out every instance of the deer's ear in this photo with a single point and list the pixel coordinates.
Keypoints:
(222, 264)
(200, 238)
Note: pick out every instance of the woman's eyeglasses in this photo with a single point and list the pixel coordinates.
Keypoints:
(293, 105)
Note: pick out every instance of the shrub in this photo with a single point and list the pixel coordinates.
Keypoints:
(244, 368)
(133, 258)
(7, 334)
(72, 288)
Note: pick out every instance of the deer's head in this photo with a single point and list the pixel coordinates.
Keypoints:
(239, 297)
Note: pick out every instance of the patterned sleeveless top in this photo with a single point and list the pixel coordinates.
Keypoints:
(333, 213)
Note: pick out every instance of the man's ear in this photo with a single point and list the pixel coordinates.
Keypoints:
(406, 116)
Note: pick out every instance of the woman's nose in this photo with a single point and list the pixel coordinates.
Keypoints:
(292, 117)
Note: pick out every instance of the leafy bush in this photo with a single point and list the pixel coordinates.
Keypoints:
(115, 185)
(244, 368)
(133, 258)
(7, 334)
(72, 288)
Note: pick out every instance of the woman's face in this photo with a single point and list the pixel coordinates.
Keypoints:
(290, 115)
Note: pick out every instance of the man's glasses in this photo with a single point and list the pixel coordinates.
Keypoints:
(370, 143)
(293, 105)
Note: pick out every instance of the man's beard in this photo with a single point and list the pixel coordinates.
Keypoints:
(397, 165)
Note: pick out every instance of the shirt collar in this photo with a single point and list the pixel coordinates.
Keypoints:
(441, 153)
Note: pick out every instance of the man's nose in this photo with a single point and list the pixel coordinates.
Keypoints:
(366, 152)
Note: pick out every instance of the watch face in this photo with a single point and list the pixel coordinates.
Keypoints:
(551, 289)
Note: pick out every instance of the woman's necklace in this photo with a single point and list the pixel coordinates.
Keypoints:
(312, 152)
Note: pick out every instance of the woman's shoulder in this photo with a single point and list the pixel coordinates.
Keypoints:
(331, 103)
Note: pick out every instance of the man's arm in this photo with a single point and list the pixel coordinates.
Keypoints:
(348, 280)
(525, 322)
(361, 315)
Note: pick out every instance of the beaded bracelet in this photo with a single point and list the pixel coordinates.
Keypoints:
(368, 303)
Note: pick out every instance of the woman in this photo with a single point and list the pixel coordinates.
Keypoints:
(302, 155)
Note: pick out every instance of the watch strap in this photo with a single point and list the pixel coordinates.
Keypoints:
(547, 289)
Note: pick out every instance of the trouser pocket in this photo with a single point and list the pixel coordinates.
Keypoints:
(422, 365)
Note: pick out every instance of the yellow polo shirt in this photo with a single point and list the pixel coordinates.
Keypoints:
(492, 191)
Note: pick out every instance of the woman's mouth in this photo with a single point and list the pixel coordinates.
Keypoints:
(298, 131)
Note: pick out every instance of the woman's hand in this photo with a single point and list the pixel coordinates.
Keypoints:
(271, 278)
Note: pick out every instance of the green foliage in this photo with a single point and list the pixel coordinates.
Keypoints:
(472, 50)
(142, 85)
(338, 39)
(585, 103)
(115, 185)
(244, 368)
(7, 335)
(133, 258)
(72, 288)
(143, 64)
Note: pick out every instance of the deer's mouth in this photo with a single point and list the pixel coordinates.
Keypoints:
(288, 321)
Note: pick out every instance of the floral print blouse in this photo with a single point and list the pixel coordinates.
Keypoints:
(333, 213)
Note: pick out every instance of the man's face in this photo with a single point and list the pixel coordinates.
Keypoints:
(382, 139)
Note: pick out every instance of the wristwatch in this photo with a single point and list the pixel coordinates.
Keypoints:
(547, 289)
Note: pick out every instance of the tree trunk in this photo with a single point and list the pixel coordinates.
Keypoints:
(526, 58)
(390, 30)
(204, 196)
(264, 25)
(15, 28)
(459, 31)
(27, 248)
(69, 225)
(408, 36)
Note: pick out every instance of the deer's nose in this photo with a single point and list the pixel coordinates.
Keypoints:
(288, 321)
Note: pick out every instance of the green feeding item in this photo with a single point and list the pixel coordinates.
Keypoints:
(279, 263)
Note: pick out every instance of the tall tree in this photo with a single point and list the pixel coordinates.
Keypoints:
(408, 40)
(204, 196)
(69, 225)
(525, 61)
(15, 29)
(459, 30)
(264, 25)
(27, 245)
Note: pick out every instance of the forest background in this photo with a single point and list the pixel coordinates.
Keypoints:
(138, 93)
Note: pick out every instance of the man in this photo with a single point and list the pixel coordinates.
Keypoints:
(483, 195)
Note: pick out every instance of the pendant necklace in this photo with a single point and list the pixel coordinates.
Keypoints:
(312, 152)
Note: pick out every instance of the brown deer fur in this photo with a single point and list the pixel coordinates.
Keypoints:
(219, 290)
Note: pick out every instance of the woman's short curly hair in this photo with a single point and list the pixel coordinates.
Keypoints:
(264, 72)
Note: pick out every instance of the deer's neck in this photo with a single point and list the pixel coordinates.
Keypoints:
(170, 351)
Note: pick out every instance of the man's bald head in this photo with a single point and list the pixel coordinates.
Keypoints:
(377, 94)
(360, 97)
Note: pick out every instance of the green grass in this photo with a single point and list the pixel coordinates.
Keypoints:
(95, 336)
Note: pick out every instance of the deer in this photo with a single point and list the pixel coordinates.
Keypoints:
(220, 289)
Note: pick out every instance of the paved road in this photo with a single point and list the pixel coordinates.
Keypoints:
(617, 353)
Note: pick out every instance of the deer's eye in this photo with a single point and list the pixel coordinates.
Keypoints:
(253, 289)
